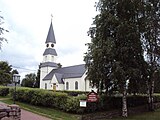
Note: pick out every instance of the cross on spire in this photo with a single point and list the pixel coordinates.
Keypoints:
(51, 17)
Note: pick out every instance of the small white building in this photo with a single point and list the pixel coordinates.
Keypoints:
(53, 77)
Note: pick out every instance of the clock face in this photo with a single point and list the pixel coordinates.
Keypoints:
(47, 45)
(52, 45)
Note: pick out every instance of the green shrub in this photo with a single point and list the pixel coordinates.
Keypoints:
(73, 104)
(115, 102)
(156, 98)
(62, 101)
(4, 91)
(137, 100)
(41, 97)
(74, 93)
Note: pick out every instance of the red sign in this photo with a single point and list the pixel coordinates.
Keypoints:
(92, 97)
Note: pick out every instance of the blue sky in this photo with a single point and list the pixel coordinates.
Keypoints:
(28, 23)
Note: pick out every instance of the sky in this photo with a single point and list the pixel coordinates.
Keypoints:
(28, 23)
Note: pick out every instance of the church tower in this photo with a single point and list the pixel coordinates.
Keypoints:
(49, 56)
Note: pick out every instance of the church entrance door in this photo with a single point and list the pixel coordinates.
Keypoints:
(54, 86)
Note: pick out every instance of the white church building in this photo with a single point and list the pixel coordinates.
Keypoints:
(53, 77)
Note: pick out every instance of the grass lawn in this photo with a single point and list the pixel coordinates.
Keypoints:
(144, 116)
(48, 112)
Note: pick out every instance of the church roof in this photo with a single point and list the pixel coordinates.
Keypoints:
(50, 51)
(67, 72)
(51, 36)
(50, 64)
(59, 78)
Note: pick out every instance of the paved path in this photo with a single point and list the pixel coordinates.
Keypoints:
(26, 115)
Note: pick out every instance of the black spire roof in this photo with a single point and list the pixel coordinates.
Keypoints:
(51, 36)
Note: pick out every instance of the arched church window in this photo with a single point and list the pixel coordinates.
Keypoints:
(76, 85)
(67, 85)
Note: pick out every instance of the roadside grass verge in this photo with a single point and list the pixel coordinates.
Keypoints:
(144, 116)
(44, 111)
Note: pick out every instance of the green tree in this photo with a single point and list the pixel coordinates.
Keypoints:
(151, 43)
(37, 82)
(29, 80)
(2, 30)
(5, 73)
(115, 54)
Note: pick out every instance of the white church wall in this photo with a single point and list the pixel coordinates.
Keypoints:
(49, 86)
(72, 81)
(83, 85)
(89, 88)
(42, 75)
(87, 84)
(46, 85)
(44, 72)
(60, 87)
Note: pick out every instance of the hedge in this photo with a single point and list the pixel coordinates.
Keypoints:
(46, 98)
(62, 101)
(115, 102)
(73, 93)
(4, 91)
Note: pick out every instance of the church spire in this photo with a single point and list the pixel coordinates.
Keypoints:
(50, 54)
(51, 36)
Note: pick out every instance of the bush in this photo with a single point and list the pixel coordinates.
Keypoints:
(61, 100)
(4, 91)
(74, 93)
(52, 99)
(73, 104)
(112, 102)
(41, 97)
(156, 98)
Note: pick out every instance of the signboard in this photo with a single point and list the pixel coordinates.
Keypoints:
(92, 97)
(83, 103)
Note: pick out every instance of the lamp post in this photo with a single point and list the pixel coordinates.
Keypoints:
(16, 79)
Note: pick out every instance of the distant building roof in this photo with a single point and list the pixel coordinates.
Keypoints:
(67, 72)
(51, 36)
(50, 51)
(50, 64)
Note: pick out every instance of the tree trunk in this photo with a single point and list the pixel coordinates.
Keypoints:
(151, 96)
(124, 102)
(150, 92)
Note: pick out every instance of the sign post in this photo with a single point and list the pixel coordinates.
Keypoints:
(83, 104)
(92, 97)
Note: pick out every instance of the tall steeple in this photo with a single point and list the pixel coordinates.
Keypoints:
(49, 56)
(51, 36)
(50, 53)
